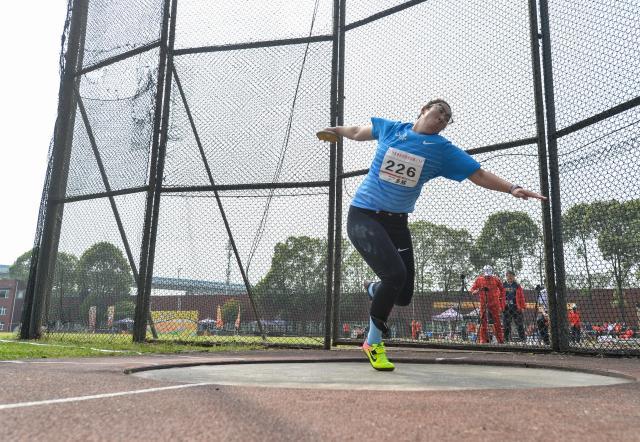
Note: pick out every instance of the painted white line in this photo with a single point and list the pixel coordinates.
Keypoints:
(98, 396)
(123, 363)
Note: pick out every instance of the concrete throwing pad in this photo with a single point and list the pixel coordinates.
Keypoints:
(360, 376)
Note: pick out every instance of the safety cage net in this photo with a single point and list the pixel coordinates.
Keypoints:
(187, 197)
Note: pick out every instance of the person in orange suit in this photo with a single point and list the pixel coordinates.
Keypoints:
(574, 323)
(492, 299)
(628, 334)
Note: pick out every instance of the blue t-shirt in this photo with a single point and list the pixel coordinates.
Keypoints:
(403, 162)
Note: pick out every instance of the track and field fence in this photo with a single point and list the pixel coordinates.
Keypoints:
(188, 199)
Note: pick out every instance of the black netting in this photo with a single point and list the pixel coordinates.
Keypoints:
(241, 121)
(202, 23)
(233, 138)
(118, 26)
(488, 80)
(596, 56)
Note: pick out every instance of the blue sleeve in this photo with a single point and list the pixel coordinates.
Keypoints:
(458, 165)
(381, 127)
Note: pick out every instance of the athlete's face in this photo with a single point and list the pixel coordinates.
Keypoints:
(434, 119)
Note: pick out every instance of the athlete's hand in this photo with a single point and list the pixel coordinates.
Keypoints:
(328, 134)
(525, 194)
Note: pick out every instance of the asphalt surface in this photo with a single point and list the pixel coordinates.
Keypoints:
(98, 399)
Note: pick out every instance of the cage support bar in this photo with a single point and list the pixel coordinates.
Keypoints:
(107, 186)
(156, 170)
(339, 121)
(43, 258)
(634, 102)
(253, 45)
(223, 214)
(255, 186)
(559, 338)
(117, 58)
(383, 14)
(547, 227)
(91, 196)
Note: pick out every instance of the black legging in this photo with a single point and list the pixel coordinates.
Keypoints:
(384, 242)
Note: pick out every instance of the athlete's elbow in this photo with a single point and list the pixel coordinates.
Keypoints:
(360, 136)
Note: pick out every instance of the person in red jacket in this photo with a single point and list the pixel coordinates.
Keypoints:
(492, 300)
(574, 323)
(515, 305)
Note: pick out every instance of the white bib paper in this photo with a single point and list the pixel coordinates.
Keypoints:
(402, 168)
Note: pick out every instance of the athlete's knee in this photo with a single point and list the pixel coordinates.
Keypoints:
(396, 277)
(404, 297)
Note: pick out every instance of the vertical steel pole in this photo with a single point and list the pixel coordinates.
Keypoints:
(542, 152)
(156, 171)
(559, 325)
(337, 270)
(332, 183)
(43, 260)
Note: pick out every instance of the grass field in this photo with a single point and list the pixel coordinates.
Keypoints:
(84, 344)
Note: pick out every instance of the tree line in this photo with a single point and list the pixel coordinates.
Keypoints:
(296, 279)
(100, 277)
(508, 240)
(613, 228)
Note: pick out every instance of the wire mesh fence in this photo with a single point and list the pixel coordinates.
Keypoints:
(197, 205)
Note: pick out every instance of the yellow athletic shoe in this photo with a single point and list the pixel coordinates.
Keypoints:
(377, 356)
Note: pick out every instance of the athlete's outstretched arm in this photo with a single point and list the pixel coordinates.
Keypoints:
(357, 133)
(486, 179)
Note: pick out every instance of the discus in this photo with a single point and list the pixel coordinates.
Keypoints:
(325, 135)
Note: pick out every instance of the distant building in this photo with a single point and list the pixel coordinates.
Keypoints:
(11, 300)
(4, 271)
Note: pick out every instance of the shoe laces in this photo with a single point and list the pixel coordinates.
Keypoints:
(379, 348)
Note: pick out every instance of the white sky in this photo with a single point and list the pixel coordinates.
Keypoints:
(30, 33)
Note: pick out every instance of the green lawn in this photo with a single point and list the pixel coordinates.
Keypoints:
(80, 345)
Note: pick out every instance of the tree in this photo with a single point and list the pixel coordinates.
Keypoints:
(124, 309)
(65, 285)
(424, 243)
(441, 254)
(230, 311)
(618, 227)
(296, 280)
(354, 271)
(505, 240)
(578, 230)
(451, 256)
(104, 278)
(20, 268)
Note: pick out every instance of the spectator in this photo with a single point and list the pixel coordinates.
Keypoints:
(491, 292)
(617, 329)
(542, 323)
(574, 324)
(515, 305)
(542, 297)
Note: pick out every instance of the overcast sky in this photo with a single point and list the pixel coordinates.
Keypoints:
(30, 33)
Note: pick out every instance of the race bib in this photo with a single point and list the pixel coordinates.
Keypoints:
(402, 168)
